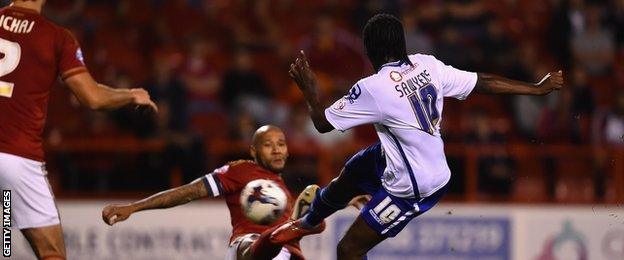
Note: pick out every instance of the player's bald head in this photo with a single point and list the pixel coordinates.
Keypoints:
(261, 132)
(269, 148)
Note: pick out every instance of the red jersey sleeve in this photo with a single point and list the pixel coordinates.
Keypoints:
(71, 61)
(228, 179)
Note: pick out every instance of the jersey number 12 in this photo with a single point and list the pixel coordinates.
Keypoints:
(424, 105)
(12, 54)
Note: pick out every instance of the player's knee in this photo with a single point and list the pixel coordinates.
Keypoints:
(52, 253)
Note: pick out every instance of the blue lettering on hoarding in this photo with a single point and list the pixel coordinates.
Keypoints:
(444, 238)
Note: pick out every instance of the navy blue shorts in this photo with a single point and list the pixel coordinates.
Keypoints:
(385, 213)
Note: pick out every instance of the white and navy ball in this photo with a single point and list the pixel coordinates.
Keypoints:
(263, 201)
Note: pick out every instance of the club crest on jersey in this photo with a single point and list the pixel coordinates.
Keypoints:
(396, 76)
(354, 93)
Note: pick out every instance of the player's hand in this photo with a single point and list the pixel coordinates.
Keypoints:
(140, 97)
(359, 201)
(112, 214)
(552, 81)
(301, 73)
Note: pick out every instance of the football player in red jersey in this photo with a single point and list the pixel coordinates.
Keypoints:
(249, 240)
(35, 53)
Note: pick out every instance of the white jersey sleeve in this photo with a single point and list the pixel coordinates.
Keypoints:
(456, 83)
(358, 107)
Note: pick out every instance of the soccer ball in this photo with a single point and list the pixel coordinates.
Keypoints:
(263, 201)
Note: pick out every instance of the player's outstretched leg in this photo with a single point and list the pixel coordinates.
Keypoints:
(359, 239)
(304, 201)
(263, 248)
(330, 199)
(360, 174)
(46, 242)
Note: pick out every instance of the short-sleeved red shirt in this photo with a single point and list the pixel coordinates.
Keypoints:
(229, 181)
(34, 52)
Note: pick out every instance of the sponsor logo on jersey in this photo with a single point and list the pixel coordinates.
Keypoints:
(409, 69)
(396, 76)
(6, 90)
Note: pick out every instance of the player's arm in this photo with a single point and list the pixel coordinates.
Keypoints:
(99, 96)
(492, 84)
(305, 78)
(166, 199)
(358, 202)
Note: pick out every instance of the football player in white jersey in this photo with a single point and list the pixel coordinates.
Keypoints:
(406, 173)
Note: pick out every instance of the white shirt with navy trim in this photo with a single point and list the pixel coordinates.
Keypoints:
(405, 105)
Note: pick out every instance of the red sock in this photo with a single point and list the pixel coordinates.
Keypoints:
(262, 248)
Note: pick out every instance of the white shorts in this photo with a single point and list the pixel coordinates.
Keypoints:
(32, 202)
(247, 240)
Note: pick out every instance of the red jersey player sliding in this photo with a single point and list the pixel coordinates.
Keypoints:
(35, 52)
(249, 240)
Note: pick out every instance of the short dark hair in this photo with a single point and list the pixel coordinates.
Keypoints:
(384, 38)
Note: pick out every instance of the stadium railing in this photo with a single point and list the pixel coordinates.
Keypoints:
(542, 173)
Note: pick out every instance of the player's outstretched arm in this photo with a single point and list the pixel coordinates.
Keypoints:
(305, 78)
(112, 214)
(99, 96)
(492, 84)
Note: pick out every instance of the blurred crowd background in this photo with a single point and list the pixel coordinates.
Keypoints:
(218, 70)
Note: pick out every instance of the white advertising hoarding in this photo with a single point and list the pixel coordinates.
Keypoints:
(194, 231)
(201, 230)
(593, 232)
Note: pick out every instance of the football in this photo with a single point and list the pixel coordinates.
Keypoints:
(263, 201)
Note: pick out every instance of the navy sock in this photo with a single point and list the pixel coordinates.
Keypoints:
(321, 208)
